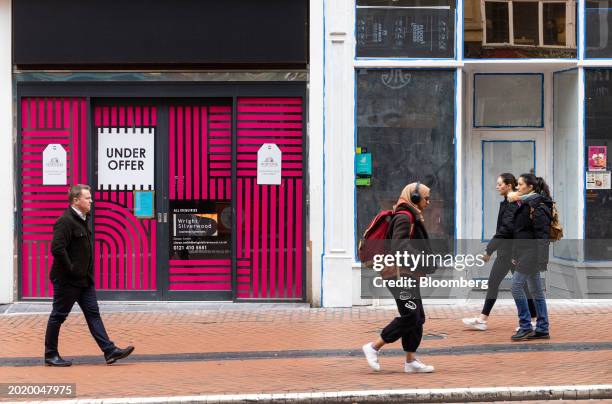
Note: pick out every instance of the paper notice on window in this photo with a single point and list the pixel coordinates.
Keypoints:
(598, 180)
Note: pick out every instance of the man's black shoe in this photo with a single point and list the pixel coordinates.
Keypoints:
(521, 335)
(118, 353)
(539, 335)
(56, 360)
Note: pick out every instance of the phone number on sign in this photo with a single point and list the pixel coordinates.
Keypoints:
(38, 390)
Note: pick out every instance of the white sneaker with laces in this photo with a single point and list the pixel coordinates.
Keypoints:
(371, 355)
(475, 323)
(416, 366)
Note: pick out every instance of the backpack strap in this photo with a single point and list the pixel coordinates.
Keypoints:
(410, 218)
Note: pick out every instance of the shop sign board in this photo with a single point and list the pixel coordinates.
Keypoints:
(269, 164)
(126, 158)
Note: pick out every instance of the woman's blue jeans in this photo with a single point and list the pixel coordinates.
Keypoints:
(537, 293)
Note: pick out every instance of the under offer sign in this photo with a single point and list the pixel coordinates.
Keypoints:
(126, 158)
(269, 164)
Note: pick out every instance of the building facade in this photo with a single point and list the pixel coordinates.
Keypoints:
(175, 115)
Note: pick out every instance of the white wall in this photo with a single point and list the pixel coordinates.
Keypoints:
(6, 158)
(315, 148)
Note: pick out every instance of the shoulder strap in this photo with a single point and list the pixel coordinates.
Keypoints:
(410, 218)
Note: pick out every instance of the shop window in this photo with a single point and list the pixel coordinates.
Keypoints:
(598, 141)
(566, 176)
(520, 29)
(405, 28)
(405, 121)
(508, 100)
(598, 29)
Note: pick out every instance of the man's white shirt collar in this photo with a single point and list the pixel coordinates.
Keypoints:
(78, 212)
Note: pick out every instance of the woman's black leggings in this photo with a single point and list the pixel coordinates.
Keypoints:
(501, 267)
(408, 326)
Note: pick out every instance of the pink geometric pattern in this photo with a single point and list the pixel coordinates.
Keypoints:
(124, 246)
(269, 217)
(44, 121)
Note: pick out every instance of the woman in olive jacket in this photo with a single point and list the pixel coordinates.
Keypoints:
(531, 229)
(409, 325)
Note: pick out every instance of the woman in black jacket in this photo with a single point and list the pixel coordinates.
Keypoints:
(409, 325)
(531, 229)
(501, 242)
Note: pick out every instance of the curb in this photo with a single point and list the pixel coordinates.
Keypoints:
(468, 394)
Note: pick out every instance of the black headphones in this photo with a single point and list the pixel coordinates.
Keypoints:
(415, 196)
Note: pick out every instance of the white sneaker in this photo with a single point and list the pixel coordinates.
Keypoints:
(371, 355)
(533, 325)
(475, 323)
(416, 366)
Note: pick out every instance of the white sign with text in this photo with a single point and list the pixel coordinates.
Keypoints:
(126, 158)
(54, 165)
(269, 164)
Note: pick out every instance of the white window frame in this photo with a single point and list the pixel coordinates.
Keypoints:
(570, 23)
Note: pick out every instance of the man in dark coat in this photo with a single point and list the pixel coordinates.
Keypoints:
(73, 279)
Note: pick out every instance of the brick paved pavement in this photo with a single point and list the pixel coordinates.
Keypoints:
(218, 331)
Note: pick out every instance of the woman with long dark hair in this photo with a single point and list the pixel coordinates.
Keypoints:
(531, 233)
(501, 242)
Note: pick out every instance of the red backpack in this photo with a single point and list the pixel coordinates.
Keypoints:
(377, 230)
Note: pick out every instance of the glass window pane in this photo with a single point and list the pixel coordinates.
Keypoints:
(566, 176)
(405, 119)
(500, 157)
(525, 17)
(405, 28)
(598, 29)
(598, 201)
(508, 100)
(497, 22)
(554, 24)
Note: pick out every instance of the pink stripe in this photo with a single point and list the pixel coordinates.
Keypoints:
(109, 260)
(96, 254)
(37, 237)
(188, 152)
(25, 277)
(196, 150)
(272, 118)
(269, 101)
(62, 134)
(41, 113)
(45, 142)
(217, 124)
(228, 188)
(268, 108)
(253, 157)
(74, 145)
(83, 141)
(221, 187)
(213, 188)
(49, 109)
(201, 278)
(204, 159)
(181, 154)
(220, 109)
(239, 224)
(247, 219)
(200, 286)
(183, 263)
(45, 205)
(269, 125)
(298, 239)
(37, 229)
(152, 268)
(42, 269)
(147, 116)
(256, 234)
(254, 149)
(273, 236)
(271, 134)
(153, 116)
(265, 236)
(221, 165)
(219, 141)
(219, 157)
(290, 245)
(113, 112)
(33, 221)
(281, 237)
(130, 116)
(33, 113)
(253, 140)
(123, 251)
(200, 270)
(138, 116)
(220, 173)
(105, 116)
(221, 149)
(105, 269)
(172, 154)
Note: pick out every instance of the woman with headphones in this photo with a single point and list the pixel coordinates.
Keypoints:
(409, 325)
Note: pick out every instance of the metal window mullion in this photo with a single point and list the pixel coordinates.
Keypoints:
(511, 23)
